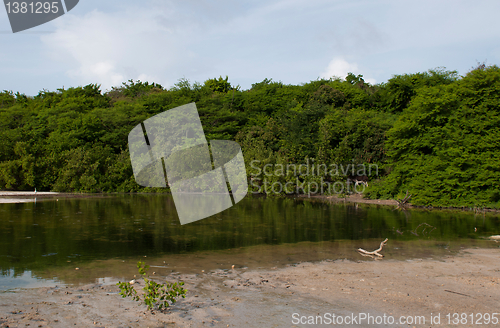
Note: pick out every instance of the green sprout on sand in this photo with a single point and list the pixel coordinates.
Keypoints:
(155, 294)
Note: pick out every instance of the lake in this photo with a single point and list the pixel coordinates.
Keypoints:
(83, 240)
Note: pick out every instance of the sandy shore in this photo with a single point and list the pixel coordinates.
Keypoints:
(465, 283)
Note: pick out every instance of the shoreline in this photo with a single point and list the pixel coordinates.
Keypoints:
(30, 196)
(8, 197)
(358, 199)
(468, 282)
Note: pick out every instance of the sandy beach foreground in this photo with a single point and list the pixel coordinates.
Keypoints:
(294, 296)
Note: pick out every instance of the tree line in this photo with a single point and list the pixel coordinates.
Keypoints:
(435, 134)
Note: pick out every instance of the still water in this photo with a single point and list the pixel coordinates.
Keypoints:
(44, 243)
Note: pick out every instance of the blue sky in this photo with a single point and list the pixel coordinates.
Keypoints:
(293, 41)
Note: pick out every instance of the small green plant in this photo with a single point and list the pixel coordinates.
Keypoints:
(154, 293)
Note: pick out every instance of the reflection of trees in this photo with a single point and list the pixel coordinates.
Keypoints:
(137, 225)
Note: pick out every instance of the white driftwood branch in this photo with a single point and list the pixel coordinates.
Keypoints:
(495, 238)
(375, 252)
(376, 258)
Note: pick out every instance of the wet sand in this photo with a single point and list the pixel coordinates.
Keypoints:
(468, 282)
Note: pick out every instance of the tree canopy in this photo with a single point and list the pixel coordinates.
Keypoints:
(435, 134)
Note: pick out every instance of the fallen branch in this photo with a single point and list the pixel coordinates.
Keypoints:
(375, 252)
(376, 258)
(495, 238)
(403, 203)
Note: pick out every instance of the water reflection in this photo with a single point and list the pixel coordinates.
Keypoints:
(54, 236)
(27, 279)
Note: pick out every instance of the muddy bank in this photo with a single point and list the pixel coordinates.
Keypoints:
(465, 283)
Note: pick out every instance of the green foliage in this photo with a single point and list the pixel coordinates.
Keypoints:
(353, 79)
(134, 89)
(433, 133)
(357, 135)
(155, 294)
(7, 99)
(219, 85)
(398, 92)
(444, 147)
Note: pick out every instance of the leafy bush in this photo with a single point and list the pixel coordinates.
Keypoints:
(444, 147)
(155, 294)
(433, 133)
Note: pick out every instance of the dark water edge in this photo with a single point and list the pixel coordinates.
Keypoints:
(104, 237)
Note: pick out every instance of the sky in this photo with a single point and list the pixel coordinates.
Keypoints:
(293, 41)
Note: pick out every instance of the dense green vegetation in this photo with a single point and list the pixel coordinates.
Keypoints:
(435, 134)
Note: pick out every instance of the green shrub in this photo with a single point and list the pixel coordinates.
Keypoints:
(155, 294)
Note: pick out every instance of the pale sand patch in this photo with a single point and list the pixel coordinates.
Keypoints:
(27, 193)
(7, 197)
(466, 283)
(15, 200)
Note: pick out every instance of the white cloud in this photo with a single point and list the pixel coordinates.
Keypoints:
(99, 71)
(339, 67)
(165, 41)
(114, 47)
(292, 41)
